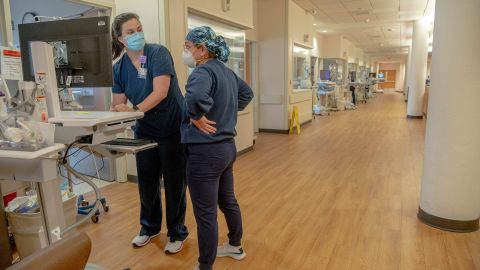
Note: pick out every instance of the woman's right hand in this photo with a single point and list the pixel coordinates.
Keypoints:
(205, 125)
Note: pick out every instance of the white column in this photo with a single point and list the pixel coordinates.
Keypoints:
(407, 71)
(401, 77)
(418, 69)
(450, 195)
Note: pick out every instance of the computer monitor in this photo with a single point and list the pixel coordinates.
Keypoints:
(325, 75)
(372, 75)
(82, 50)
(381, 75)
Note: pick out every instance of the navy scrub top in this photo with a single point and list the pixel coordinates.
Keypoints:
(163, 121)
(217, 92)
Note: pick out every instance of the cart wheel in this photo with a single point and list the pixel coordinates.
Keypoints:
(95, 219)
(106, 208)
(84, 203)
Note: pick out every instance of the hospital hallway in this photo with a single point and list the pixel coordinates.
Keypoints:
(341, 195)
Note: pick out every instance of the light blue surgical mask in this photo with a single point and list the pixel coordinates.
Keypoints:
(135, 42)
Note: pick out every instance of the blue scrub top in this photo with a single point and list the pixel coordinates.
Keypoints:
(162, 121)
(216, 92)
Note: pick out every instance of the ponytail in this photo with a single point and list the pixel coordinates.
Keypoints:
(117, 46)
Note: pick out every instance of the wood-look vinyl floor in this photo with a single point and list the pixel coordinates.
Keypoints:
(342, 195)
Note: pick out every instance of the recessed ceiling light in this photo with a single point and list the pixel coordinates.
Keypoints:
(324, 31)
(367, 20)
(314, 24)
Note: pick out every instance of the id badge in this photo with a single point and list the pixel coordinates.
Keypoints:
(142, 71)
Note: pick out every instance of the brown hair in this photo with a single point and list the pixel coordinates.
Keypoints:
(117, 46)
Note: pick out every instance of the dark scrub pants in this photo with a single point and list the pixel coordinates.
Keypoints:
(210, 181)
(354, 98)
(167, 160)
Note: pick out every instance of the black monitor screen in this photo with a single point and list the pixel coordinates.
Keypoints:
(325, 75)
(81, 49)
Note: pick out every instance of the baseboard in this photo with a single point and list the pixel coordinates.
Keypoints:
(246, 150)
(461, 226)
(306, 123)
(414, 116)
(278, 131)
(132, 178)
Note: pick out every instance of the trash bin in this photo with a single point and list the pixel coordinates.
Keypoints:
(27, 228)
(28, 232)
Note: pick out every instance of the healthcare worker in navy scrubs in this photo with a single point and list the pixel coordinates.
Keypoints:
(145, 76)
(214, 95)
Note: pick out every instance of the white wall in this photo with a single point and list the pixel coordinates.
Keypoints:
(300, 23)
(252, 34)
(150, 17)
(3, 29)
(273, 44)
(318, 45)
(332, 46)
(240, 12)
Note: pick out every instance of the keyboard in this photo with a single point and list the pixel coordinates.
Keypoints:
(129, 142)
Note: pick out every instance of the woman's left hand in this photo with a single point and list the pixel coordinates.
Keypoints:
(123, 108)
(205, 125)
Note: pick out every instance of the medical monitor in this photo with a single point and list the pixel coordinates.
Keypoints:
(325, 75)
(81, 49)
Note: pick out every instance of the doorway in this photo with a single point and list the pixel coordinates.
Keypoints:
(390, 79)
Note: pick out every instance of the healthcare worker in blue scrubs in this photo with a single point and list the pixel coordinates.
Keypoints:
(145, 76)
(214, 94)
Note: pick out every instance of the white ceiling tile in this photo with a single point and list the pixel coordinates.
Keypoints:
(407, 5)
(315, 2)
(343, 13)
(358, 5)
(329, 7)
(363, 18)
(385, 4)
(305, 4)
(385, 13)
(344, 19)
(387, 18)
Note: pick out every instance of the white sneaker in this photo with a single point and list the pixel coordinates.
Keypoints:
(173, 247)
(142, 240)
(228, 250)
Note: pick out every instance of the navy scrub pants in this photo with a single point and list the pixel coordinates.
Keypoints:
(168, 160)
(210, 182)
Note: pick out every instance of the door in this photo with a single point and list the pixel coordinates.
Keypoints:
(390, 79)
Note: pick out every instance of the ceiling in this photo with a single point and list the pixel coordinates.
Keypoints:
(381, 28)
